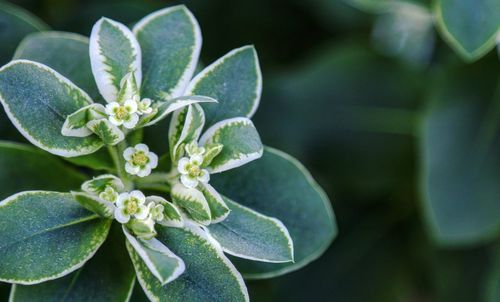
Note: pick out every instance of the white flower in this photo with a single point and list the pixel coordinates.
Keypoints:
(140, 161)
(190, 168)
(123, 114)
(131, 205)
(144, 106)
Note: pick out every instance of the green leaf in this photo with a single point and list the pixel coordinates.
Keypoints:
(39, 104)
(240, 140)
(76, 123)
(49, 229)
(95, 204)
(106, 131)
(218, 208)
(114, 52)
(170, 40)
(66, 53)
(209, 275)
(251, 235)
(185, 126)
(27, 168)
(234, 80)
(99, 160)
(193, 202)
(277, 185)
(469, 26)
(108, 276)
(16, 24)
(166, 107)
(460, 144)
(161, 262)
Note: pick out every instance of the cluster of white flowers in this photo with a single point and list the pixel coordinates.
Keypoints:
(190, 167)
(128, 112)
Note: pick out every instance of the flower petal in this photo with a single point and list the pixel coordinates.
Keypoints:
(196, 159)
(121, 199)
(120, 216)
(142, 213)
(183, 162)
(144, 172)
(132, 121)
(131, 169)
(115, 121)
(111, 107)
(139, 195)
(142, 147)
(189, 182)
(153, 160)
(130, 105)
(127, 154)
(204, 177)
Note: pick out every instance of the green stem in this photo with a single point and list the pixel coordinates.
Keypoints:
(119, 162)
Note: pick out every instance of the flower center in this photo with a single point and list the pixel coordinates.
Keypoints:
(193, 171)
(139, 158)
(132, 206)
(121, 112)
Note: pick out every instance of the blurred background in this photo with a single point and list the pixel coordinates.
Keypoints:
(396, 119)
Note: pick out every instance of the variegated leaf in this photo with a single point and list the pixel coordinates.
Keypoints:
(209, 275)
(193, 202)
(218, 208)
(163, 108)
(114, 52)
(241, 143)
(95, 204)
(98, 184)
(106, 131)
(170, 40)
(248, 234)
(186, 126)
(234, 80)
(173, 216)
(76, 123)
(161, 262)
(37, 100)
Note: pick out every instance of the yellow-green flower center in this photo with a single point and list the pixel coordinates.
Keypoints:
(132, 206)
(193, 170)
(139, 158)
(121, 112)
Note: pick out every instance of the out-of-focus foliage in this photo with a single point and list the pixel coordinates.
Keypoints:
(381, 100)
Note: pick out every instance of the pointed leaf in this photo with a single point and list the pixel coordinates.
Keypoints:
(185, 126)
(170, 40)
(49, 229)
(469, 26)
(240, 140)
(114, 52)
(95, 204)
(160, 261)
(193, 202)
(251, 235)
(76, 123)
(209, 275)
(166, 107)
(234, 80)
(218, 208)
(39, 104)
(106, 131)
(26, 168)
(277, 185)
(66, 53)
(108, 276)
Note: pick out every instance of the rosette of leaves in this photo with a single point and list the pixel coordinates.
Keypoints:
(59, 239)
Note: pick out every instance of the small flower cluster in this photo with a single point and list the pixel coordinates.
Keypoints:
(128, 107)
(133, 209)
(192, 167)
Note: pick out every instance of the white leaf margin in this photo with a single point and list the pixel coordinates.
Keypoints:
(25, 132)
(183, 82)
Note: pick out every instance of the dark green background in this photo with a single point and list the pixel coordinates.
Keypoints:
(350, 113)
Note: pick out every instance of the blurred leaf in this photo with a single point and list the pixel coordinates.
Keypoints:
(460, 147)
(99, 160)
(469, 26)
(377, 6)
(26, 168)
(406, 31)
(277, 185)
(66, 53)
(492, 292)
(4, 291)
